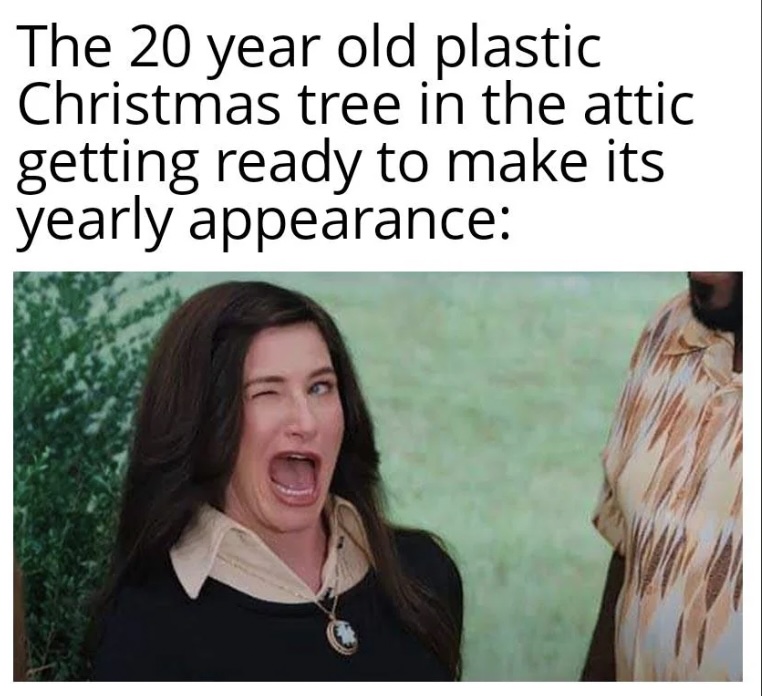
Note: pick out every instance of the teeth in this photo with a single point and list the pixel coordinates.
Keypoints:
(295, 492)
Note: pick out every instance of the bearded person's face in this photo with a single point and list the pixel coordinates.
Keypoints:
(717, 300)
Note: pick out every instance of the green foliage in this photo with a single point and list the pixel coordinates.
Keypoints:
(80, 349)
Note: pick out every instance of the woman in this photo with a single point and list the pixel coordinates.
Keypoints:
(252, 543)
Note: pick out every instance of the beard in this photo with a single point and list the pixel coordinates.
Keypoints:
(727, 318)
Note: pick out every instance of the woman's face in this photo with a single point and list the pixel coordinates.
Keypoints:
(292, 430)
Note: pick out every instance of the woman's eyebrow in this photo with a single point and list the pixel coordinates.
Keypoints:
(276, 379)
(327, 370)
(266, 379)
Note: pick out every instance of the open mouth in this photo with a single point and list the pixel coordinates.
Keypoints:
(294, 476)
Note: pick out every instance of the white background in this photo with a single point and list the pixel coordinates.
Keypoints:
(704, 214)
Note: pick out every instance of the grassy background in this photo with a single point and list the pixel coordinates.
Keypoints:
(492, 396)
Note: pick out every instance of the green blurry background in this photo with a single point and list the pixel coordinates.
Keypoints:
(491, 394)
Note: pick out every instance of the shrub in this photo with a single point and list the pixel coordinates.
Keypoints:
(80, 348)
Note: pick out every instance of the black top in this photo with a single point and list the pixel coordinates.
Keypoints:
(156, 632)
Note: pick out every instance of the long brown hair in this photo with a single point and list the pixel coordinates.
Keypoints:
(187, 431)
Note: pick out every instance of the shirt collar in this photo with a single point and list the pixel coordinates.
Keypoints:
(695, 336)
(214, 545)
(717, 350)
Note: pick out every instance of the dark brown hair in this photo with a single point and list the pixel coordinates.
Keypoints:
(187, 431)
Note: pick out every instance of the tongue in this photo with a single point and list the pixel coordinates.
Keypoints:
(298, 474)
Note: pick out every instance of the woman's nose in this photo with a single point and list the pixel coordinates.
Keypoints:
(302, 421)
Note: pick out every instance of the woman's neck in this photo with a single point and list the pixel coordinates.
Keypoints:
(303, 551)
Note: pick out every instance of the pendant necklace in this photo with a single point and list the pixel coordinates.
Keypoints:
(341, 636)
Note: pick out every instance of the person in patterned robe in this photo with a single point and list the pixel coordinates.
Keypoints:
(671, 500)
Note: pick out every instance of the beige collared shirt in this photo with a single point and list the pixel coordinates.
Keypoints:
(215, 546)
(672, 501)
